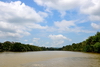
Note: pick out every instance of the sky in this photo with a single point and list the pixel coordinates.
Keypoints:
(49, 23)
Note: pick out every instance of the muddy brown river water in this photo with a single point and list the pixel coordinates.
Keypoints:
(49, 59)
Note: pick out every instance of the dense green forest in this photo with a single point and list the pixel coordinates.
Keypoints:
(18, 47)
(92, 44)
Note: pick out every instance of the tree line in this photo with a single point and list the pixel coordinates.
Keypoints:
(17, 47)
(92, 44)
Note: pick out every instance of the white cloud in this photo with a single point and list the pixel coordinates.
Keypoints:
(95, 26)
(36, 41)
(55, 37)
(18, 12)
(58, 37)
(43, 14)
(92, 8)
(94, 18)
(89, 7)
(63, 13)
(60, 5)
(68, 26)
(16, 19)
(64, 23)
(58, 40)
(36, 26)
(8, 30)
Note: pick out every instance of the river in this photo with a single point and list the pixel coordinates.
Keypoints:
(49, 59)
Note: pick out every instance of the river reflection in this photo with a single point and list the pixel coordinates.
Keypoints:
(49, 59)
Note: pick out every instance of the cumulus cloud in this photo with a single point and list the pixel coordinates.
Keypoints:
(60, 5)
(64, 24)
(92, 8)
(68, 26)
(16, 19)
(95, 26)
(18, 12)
(89, 7)
(58, 39)
(8, 30)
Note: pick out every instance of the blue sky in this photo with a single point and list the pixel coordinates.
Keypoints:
(50, 23)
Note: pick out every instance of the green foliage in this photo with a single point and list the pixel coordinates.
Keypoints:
(68, 48)
(97, 47)
(1, 47)
(92, 44)
(7, 46)
(88, 48)
(50, 48)
(17, 47)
